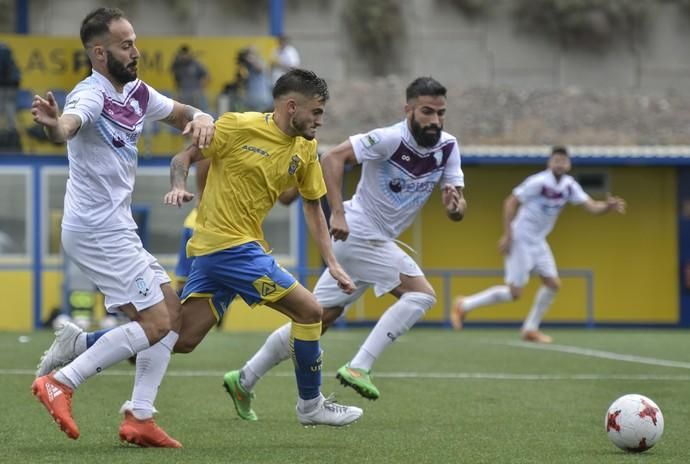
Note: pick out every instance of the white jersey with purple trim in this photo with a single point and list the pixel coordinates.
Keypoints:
(542, 198)
(103, 153)
(398, 177)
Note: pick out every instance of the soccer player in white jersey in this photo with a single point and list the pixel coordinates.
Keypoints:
(529, 214)
(401, 166)
(101, 123)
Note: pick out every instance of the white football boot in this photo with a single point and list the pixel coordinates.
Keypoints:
(62, 351)
(328, 412)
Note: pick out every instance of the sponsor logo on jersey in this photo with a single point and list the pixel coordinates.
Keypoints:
(256, 150)
(399, 185)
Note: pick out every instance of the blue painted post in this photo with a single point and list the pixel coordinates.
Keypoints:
(37, 252)
(684, 246)
(21, 16)
(276, 9)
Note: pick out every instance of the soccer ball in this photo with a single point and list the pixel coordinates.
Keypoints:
(634, 423)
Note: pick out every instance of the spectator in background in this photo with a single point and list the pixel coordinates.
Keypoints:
(190, 77)
(285, 57)
(252, 79)
(9, 83)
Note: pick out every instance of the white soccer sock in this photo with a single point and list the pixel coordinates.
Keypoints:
(397, 320)
(275, 350)
(113, 347)
(542, 301)
(305, 406)
(490, 296)
(151, 366)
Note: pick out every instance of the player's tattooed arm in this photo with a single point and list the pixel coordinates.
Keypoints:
(192, 121)
(179, 168)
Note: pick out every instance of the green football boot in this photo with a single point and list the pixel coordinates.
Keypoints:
(241, 398)
(359, 380)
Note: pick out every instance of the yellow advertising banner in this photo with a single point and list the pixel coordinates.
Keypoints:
(59, 63)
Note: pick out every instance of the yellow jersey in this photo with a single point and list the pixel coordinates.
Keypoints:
(252, 163)
(190, 220)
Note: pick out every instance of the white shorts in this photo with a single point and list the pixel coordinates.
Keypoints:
(525, 257)
(118, 265)
(370, 263)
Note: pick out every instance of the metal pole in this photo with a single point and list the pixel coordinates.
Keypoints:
(21, 16)
(276, 12)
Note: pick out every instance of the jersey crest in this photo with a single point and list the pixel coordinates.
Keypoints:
(294, 164)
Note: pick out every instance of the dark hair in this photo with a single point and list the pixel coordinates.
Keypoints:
(559, 150)
(425, 86)
(98, 23)
(304, 82)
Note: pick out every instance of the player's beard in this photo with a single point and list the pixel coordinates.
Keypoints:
(121, 73)
(301, 127)
(427, 136)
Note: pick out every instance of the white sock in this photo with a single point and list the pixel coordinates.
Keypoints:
(397, 320)
(309, 405)
(490, 296)
(275, 350)
(113, 347)
(151, 366)
(542, 301)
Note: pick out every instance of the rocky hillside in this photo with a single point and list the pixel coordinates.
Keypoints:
(508, 117)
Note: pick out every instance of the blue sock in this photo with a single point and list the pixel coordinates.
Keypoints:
(306, 355)
(92, 337)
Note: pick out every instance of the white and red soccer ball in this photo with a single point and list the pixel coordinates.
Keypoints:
(634, 423)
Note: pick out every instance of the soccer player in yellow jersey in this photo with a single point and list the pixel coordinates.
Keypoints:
(254, 158)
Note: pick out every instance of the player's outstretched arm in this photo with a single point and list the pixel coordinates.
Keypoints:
(316, 222)
(192, 121)
(510, 207)
(179, 168)
(202, 167)
(454, 202)
(58, 128)
(612, 203)
(333, 165)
